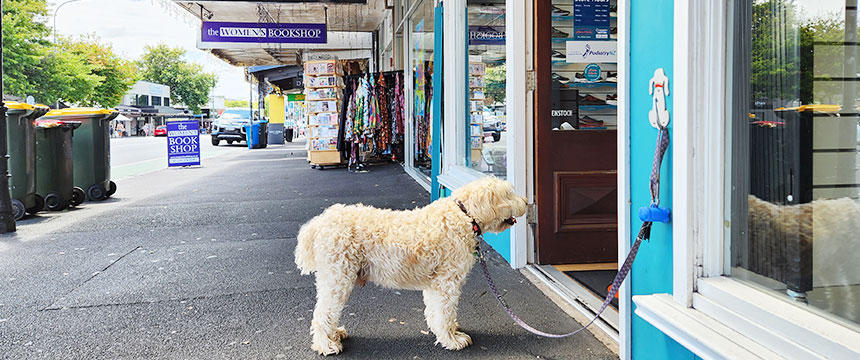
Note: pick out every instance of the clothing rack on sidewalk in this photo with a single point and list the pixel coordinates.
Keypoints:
(371, 123)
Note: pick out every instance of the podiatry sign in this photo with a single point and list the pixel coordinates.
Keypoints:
(236, 32)
(183, 143)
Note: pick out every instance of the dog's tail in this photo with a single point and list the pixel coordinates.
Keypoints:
(305, 247)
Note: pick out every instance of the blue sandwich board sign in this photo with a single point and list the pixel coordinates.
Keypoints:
(183, 143)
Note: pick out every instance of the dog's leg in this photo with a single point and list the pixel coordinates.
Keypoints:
(333, 289)
(441, 313)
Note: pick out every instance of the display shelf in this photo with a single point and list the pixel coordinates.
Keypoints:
(322, 136)
(597, 107)
(324, 87)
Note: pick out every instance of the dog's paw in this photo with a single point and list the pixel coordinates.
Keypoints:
(340, 333)
(326, 346)
(455, 341)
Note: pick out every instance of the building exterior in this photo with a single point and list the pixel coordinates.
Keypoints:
(760, 171)
(145, 106)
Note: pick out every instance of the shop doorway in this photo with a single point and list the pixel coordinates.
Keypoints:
(576, 142)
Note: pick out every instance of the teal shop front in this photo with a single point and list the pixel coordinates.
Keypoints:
(758, 261)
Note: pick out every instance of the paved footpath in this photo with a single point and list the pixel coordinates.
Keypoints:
(198, 264)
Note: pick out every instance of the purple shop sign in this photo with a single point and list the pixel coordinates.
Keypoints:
(237, 32)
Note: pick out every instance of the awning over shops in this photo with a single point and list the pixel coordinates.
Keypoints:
(128, 111)
(283, 76)
(349, 25)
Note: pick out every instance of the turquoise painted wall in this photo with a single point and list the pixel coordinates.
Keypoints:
(650, 48)
(500, 242)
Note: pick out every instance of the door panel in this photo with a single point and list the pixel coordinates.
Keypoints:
(575, 165)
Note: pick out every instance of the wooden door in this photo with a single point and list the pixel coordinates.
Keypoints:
(575, 169)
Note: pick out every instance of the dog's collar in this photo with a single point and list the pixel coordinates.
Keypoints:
(475, 227)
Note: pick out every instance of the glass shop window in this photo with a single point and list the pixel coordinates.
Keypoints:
(795, 185)
(421, 62)
(584, 82)
(485, 131)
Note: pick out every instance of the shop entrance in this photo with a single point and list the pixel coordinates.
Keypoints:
(575, 140)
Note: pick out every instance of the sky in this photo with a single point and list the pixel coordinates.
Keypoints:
(129, 25)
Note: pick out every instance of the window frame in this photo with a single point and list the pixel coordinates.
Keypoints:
(701, 287)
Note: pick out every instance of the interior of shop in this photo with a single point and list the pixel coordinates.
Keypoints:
(486, 129)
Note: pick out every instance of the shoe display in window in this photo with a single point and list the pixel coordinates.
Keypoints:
(587, 122)
(567, 126)
(580, 78)
(558, 56)
(591, 100)
(612, 99)
(611, 77)
(557, 11)
(560, 78)
(556, 33)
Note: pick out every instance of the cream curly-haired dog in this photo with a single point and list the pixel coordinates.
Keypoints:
(429, 249)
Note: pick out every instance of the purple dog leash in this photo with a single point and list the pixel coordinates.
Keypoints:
(644, 234)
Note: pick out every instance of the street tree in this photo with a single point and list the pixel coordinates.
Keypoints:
(236, 103)
(495, 83)
(116, 75)
(31, 66)
(189, 84)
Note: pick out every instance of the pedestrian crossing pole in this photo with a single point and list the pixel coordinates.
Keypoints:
(7, 220)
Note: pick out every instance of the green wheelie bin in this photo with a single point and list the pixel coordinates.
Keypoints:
(22, 157)
(92, 149)
(54, 164)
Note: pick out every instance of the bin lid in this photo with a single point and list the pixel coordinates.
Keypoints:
(14, 105)
(107, 114)
(47, 124)
(40, 110)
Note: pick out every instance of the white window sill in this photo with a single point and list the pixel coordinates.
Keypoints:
(457, 176)
(733, 319)
(699, 333)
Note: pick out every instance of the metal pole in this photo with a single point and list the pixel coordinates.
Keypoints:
(55, 17)
(7, 220)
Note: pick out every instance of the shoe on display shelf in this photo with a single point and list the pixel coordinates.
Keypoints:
(557, 11)
(560, 78)
(556, 33)
(558, 56)
(612, 99)
(590, 122)
(591, 100)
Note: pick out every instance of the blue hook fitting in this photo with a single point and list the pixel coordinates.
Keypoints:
(654, 213)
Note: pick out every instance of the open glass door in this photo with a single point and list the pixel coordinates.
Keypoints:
(575, 140)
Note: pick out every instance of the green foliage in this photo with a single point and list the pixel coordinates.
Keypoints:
(494, 83)
(236, 103)
(83, 72)
(116, 74)
(787, 53)
(189, 84)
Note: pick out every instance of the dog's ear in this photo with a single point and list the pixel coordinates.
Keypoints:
(478, 197)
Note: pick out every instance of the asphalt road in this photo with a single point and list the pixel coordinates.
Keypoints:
(136, 155)
(197, 263)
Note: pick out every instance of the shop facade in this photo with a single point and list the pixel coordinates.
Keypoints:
(557, 97)
(757, 121)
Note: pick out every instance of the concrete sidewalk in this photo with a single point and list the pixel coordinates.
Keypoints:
(198, 264)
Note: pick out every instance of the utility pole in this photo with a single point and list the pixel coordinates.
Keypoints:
(7, 220)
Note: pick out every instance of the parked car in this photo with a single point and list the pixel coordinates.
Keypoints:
(160, 130)
(492, 127)
(230, 126)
